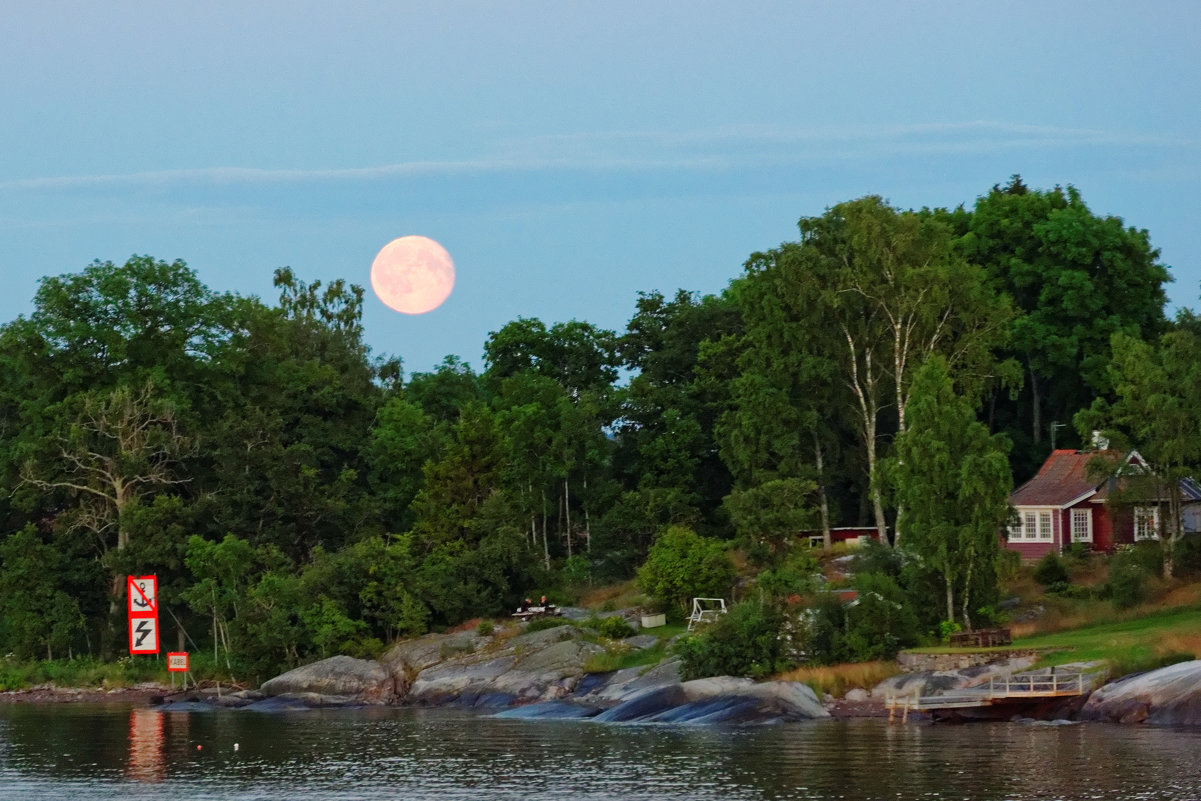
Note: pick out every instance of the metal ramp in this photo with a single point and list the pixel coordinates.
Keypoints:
(705, 610)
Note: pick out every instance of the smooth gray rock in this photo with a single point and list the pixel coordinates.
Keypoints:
(540, 666)
(718, 700)
(357, 680)
(1169, 696)
(624, 684)
(927, 682)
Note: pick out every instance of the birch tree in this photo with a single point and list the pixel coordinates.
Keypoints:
(879, 291)
(953, 477)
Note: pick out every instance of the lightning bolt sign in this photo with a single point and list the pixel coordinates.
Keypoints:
(143, 630)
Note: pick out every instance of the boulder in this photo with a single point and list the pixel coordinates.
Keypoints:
(621, 685)
(406, 659)
(357, 680)
(1169, 696)
(718, 700)
(540, 666)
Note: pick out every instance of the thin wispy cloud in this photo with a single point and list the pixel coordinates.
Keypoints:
(698, 150)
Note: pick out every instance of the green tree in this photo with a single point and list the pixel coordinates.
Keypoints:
(683, 565)
(1076, 279)
(953, 479)
(773, 513)
(1158, 407)
(882, 291)
(666, 457)
(39, 616)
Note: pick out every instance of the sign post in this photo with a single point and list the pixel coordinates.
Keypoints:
(177, 662)
(142, 598)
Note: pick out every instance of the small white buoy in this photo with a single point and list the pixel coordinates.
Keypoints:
(235, 746)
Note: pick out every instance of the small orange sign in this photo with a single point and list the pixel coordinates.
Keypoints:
(177, 661)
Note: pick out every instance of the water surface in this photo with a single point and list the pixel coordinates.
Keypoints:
(84, 752)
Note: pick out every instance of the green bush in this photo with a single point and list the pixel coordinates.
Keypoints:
(613, 627)
(1065, 590)
(1148, 555)
(485, 628)
(1126, 585)
(1186, 556)
(682, 565)
(745, 641)
(1079, 551)
(12, 678)
(1008, 564)
(1051, 570)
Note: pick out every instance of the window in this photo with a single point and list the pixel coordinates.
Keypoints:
(1146, 523)
(1082, 525)
(1033, 526)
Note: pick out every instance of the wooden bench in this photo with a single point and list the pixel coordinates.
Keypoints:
(981, 638)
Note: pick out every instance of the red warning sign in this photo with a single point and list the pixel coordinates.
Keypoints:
(142, 600)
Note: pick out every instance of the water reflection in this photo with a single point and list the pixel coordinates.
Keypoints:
(145, 746)
(68, 751)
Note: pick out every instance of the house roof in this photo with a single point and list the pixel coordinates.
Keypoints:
(1065, 478)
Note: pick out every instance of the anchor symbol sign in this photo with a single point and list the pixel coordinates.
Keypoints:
(142, 595)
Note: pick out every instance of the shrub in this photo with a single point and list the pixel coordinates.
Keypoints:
(880, 621)
(1148, 555)
(682, 565)
(614, 627)
(485, 628)
(1079, 551)
(1008, 564)
(1050, 571)
(1126, 586)
(1065, 590)
(1186, 556)
(876, 557)
(743, 642)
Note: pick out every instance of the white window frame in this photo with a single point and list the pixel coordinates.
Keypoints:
(1146, 523)
(1034, 525)
(1082, 525)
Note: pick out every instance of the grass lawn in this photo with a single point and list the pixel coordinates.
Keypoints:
(1139, 643)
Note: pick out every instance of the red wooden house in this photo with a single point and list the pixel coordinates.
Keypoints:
(1065, 503)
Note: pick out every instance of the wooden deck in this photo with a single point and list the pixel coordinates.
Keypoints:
(1021, 690)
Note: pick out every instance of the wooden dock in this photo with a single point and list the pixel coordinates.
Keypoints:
(999, 697)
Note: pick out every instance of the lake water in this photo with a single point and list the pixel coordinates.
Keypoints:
(96, 752)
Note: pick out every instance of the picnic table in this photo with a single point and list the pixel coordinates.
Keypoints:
(550, 610)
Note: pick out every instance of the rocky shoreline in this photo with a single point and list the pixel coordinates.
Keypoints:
(544, 674)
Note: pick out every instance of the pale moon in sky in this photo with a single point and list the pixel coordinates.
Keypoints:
(413, 274)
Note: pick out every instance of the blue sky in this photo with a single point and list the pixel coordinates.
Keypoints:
(568, 155)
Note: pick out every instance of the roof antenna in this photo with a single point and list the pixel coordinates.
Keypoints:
(1054, 425)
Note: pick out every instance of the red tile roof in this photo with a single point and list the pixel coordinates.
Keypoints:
(1064, 478)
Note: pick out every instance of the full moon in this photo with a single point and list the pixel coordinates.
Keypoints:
(413, 274)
